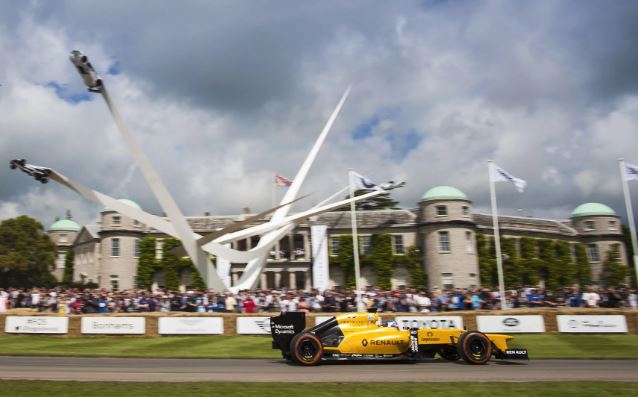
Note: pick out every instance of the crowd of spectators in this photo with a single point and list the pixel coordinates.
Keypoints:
(78, 301)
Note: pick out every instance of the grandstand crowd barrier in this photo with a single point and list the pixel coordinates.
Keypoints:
(179, 323)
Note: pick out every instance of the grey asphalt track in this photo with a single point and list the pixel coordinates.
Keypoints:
(247, 370)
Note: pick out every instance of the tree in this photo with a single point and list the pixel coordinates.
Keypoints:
(547, 263)
(528, 262)
(629, 248)
(147, 264)
(614, 273)
(414, 262)
(67, 277)
(381, 202)
(583, 268)
(174, 266)
(511, 277)
(565, 267)
(27, 254)
(345, 260)
(382, 259)
(487, 264)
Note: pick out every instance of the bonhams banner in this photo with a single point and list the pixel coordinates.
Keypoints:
(191, 326)
(36, 325)
(431, 322)
(511, 324)
(114, 325)
(253, 325)
(592, 324)
(320, 273)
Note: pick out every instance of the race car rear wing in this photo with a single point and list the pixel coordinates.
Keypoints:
(284, 327)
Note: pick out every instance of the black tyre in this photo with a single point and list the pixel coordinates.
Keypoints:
(449, 353)
(306, 349)
(474, 347)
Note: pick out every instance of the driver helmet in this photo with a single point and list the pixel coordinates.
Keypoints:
(392, 323)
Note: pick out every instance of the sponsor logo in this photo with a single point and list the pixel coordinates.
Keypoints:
(430, 334)
(511, 322)
(283, 329)
(263, 324)
(364, 342)
(431, 323)
(385, 342)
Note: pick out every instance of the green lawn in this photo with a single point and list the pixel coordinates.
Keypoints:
(540, 346)
(125, 389)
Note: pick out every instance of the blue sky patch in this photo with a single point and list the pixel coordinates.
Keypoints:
(402, 143)
(114, 69)
(62, 91)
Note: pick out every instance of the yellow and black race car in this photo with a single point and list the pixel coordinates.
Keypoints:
(359, 336)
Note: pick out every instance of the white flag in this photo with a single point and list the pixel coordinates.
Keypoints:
(500, 175)
(358, 181)
(631, 172)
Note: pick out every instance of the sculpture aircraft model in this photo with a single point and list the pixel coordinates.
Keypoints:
(195, 246)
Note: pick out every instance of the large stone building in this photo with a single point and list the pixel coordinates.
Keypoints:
(443, 227)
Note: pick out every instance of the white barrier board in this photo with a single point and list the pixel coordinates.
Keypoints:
(113, 325)
(36, 325)
(190, 326)
(253, 325)
(592, 323)
(511, 324)
(321, 319)
(430, 322)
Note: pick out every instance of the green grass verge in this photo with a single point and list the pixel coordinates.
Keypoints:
(90, 389)
(539, 346)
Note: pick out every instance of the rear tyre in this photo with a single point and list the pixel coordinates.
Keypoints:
(475, 348)
(306, 349)
(449, 353)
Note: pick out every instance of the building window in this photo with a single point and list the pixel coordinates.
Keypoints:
(473, 280)
(447, 280)
(365, 244)
(115, 247)
(444, 241)
(116, 220)
(592, 251)
(136, 223)
(334, 246)
(469, 247)
(59, 262)
(137, 247)
(441, 210)
(466, 210)
(63, 238)
(612, 225)
(590, 225)
(115, 282)
(397, 244)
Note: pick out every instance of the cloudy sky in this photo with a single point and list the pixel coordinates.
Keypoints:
(222, 94)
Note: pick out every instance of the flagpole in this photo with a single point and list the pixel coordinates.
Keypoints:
(630, 213)
(355, 246)
(497, 237)
(273, 187)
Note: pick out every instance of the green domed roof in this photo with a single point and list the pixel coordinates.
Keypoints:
(127, 202)
(592, 209)
(443, 193)
(65, 225)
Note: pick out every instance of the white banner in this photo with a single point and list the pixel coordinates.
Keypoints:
(36, 325)
(321, 319)
(592, 324)
(114, 325)
(190, 326)
(320, 272)
(511, 324)
(253, 325)
(430, 322)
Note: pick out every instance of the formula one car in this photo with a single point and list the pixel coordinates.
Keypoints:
(40, 174)
(359, 336)
(91, 79)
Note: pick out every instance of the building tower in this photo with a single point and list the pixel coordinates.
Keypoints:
(600, 230)
(63, 233)
(448, 241)
(120, 241)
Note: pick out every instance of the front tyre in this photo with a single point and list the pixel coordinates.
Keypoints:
(306, 349)
(475, 348)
